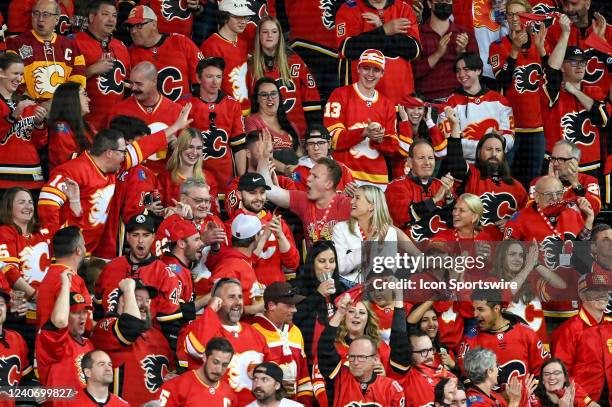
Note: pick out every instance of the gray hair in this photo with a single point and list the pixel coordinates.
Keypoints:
(192, 183)
(574, 150)
(476, 363)
(222, 282)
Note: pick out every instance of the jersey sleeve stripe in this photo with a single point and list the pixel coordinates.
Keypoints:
(398, 366)
(193, 347)
(171, 317)
(120, 336)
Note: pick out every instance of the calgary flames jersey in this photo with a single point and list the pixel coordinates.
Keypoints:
(347, 114)
(222, 139)
(235, 55)
(173, 16)
(97, 190)
(48, 63)
(188, 390)
(312, 24)
(175, 57)
(15, 362)
(104, 90)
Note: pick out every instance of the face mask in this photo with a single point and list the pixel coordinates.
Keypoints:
(443, 10)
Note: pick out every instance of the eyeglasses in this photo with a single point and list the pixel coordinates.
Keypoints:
(561, 159)
(119, 150)
(268, 95)
(510, 16)
(359, 358)
(138, 26)
(555, 373)
(318, 144)
(44, 14)
(424, 352)
(574, 63)
(199, 201)
(552, 194)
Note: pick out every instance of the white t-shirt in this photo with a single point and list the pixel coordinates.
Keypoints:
(283, 403)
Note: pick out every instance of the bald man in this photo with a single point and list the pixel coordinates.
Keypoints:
(149, 105)
(49, 60)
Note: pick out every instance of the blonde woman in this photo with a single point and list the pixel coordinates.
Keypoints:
(370, 221)
(272, 58)
(185, 162)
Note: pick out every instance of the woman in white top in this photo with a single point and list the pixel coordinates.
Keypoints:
(370, 221)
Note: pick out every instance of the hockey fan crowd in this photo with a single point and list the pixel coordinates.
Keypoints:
(201, 203)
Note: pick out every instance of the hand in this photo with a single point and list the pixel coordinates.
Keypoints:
(446, 359)
(127, 285)
(103, 65)
(19, 310)
(66, 278)
(71, 189)
(213, 234)
(568, 398)
(565, 23)
(443, 43)
(397, 26)
(532, 255)
(156, 207)
(446, 188)
(531, 383)
(483, 249)
(374, 132)
(181, 209)
(20, 106)
(461, 42)
(182, 122)
(215, 303)
(586, 208)
(572, 172)
(350, 189)
(451, 115)
(343, 304)
(372, 18)
(379, 369)
(325, 287)
(518, 39)
(40, 114)
(599, 25)
(265, 146)
(428, 110)
(403, 113)
(570, 88)
(514, 389)
(272, 170)
(539, 38)
(276, 227)
(417, 6)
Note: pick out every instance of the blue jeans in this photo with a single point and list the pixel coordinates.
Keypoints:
(527, 156)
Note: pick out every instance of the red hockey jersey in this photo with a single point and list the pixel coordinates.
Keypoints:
(231, 263)
(47, 63)
(250, 349)
(189, 390)
(220, 141)
(312, 25)
(235, 55)
(593, 369)
(97, 190)
(84, 399)
(347, 114)
(232, 201)
(589, 184)
(141, 360)
(20, 141)
(479, 399)
(104, 90)
(14, 354)
(171, 190)
(348, 392)
(175, 57)
(529, 224)
(173, 16)
(299, 95)
(183, 274)
(525, 88)
(419, 383)
(63, 145)
(398, 80)
(160, 116)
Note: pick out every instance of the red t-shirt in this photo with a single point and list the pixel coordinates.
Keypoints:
(319, 222)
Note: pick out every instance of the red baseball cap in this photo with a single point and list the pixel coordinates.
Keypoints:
(77, 302)
(181, 230)
(372, 57)
(140, 14)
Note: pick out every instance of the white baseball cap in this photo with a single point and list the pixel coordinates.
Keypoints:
(239, 8)
(245, 226)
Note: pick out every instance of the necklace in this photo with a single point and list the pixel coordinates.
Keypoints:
(550, 226)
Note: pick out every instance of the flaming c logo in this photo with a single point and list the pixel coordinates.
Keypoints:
(474, 131)
(483, 15)
(426, 228)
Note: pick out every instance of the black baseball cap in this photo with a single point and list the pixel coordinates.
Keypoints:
(320, 132)
(575, 53)
(142, 286)
(270, 369)
(141, 221)
(251, 180)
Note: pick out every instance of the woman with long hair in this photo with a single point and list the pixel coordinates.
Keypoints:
(69, 133)
(267, 112)
(185, 162)
(272, 58)
(370, 221)
(557, 389)
(22, 130)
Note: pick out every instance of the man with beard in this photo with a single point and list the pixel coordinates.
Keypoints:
(268, 380)
(60, 344)
(285, 341)
(149, 105)
(140, 354)
(98, 372)
(222, 318)
(518, 349)
(68, 247)
(185, 250)
(277, 254)
(15, 350)
(415, 199)
(489, 178)
(564, 161)
(576, 108)
(205, 385)
(139, 263)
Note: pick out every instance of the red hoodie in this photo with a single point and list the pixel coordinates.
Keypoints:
(237, 265)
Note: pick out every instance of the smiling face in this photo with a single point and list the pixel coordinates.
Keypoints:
(268, 98)
(429, 324)
(369, 76)
(422, 350)
(269, 37)
(485, 315)
(512, 15)
(415, 114)
(553, 377)
(423, 161)
(104, 21)
(193, 247)
(467, 77)
(199, 200)
(360, 205)
(140, 242)
(463, 216)
(356, 319)
(231, 308)
(11, 77)
(253, 200)
(193, 152)
(143, 300)
(515, 258)
(23, 208)
(143, 85)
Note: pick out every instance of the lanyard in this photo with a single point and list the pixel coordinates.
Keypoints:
(317, 228)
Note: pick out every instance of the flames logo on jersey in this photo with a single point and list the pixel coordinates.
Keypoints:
(112, 301)
(156, 369)
(237, 78)
(80, 373)
(475, 131)
(327, 15)
(577, 128)
(10, 370)
(34, 261)
(511, 368)
(531, 312)
(288, 102)
(594, 70)
(239, 368)
(215, 144)
(527, 78)
(48, 78)
(170, 83)
(368, 404)
(172, 9)
(100, 201)
(260, 8)
(497, 206)
(63, 25)
(552, 247)
(483, 14)
(363, 149)
(112, 81)
(426, 228)
(543, 8)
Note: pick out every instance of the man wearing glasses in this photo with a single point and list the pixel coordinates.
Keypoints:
(19, 16)
(577, 110)
(49, 59)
